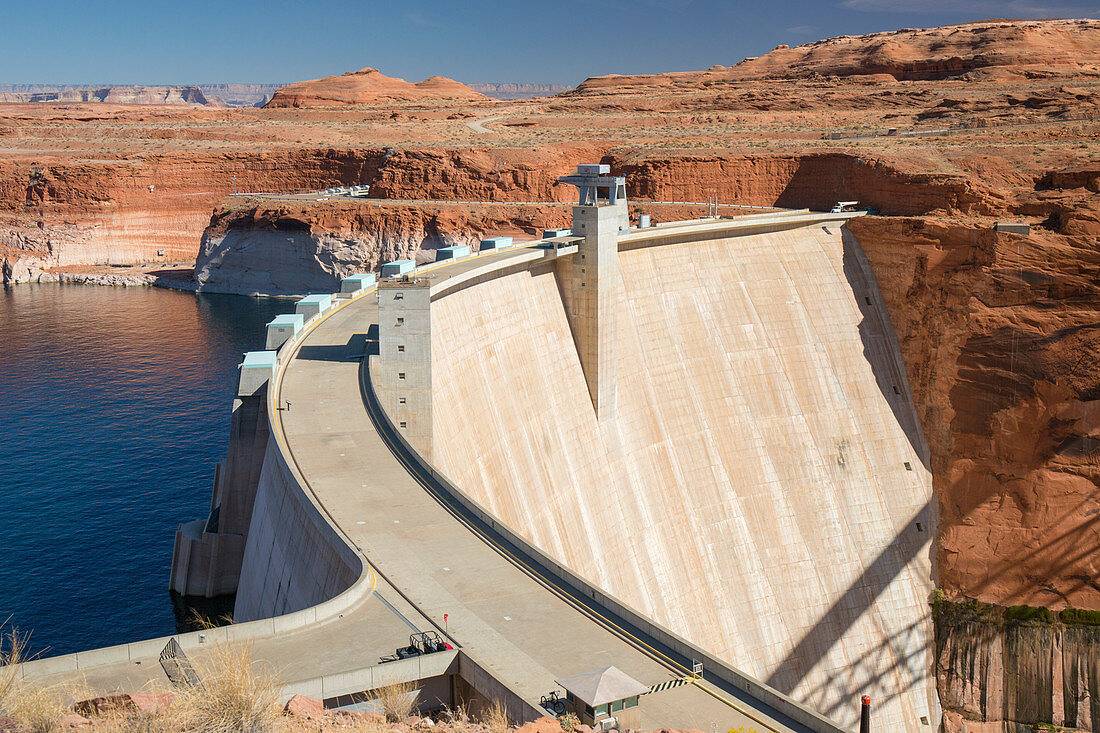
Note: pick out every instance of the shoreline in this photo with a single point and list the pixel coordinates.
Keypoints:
(123, 276)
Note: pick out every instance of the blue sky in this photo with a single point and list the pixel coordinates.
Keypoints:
(195, 41)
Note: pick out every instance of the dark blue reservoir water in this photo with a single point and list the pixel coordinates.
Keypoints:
(114, 408)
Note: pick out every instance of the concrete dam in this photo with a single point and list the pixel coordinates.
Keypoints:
(688, 451)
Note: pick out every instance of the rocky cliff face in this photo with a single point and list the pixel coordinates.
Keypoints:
(153, 210)
(1000, 342)
(284, 247)
(279, 249)
(1000, 674)
(106, 212)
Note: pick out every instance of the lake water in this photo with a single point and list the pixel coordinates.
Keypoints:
(114, 408)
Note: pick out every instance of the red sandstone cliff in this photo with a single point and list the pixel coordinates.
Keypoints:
(991, 49)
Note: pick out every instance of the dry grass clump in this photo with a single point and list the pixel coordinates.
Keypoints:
(35, 708)
(236, 696)
(398, 701)
(496, 718)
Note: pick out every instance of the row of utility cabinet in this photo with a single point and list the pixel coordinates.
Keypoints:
(258, 366)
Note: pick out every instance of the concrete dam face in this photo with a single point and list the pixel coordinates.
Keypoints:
(761, 487)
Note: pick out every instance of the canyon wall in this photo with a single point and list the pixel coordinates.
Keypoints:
(186, 94)
(155, 209)
(104, 212)
(1000, 341)
(1003, 670)
(281, 247)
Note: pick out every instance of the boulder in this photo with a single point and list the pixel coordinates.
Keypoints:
(73, 721)
(306, 708)
(541, 725)
(137, 702)
(20, 269)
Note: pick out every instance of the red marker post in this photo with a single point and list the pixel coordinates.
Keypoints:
(865, 715)
(445, 630)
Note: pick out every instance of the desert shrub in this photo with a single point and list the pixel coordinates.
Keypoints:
(569, 721)
(35, 708)
(1022, 614)
(496, 718)
(1080, 616)
(236, 695)
(398, 701)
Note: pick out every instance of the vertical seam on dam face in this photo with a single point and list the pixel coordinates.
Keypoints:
(752, 495)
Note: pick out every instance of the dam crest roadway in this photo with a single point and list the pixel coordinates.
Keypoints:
(649, 448)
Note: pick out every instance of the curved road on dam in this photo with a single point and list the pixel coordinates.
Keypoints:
(425, 553)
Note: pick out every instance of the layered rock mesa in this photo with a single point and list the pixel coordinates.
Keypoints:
(216, 94)
(517, 90)
(181, 95)
(1016, 48)
(368, 86)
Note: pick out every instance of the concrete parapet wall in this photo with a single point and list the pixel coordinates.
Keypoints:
(374, 677)
(489, 688)
(147, 650)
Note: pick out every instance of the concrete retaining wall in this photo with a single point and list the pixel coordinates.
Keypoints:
(293, 557)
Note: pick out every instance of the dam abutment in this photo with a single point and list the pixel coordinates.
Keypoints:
(207, 555)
